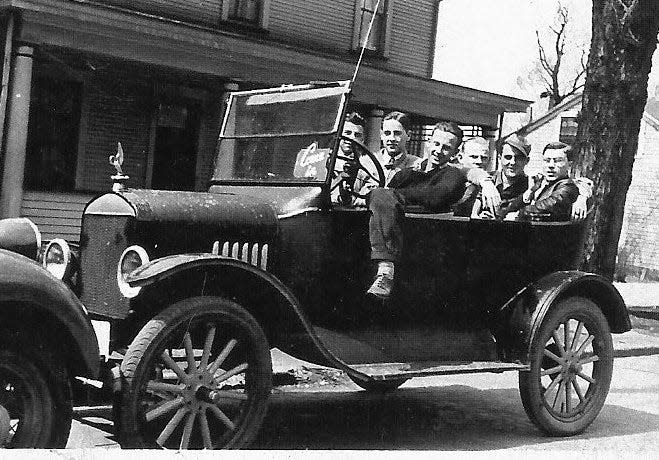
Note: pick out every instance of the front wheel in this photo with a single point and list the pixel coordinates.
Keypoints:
(197, 376)
(571, 358)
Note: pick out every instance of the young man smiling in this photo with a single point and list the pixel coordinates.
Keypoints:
(394, 136)
(346, 166)
(511, 180)
(435, 187)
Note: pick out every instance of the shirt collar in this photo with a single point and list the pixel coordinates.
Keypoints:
(397, 160)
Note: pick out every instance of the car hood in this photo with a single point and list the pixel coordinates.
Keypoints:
(225, 213)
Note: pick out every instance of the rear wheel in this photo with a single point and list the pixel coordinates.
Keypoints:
(197, 376)
(571, 361)
(35, 402)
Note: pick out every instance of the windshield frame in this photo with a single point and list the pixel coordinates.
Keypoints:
(343, 88)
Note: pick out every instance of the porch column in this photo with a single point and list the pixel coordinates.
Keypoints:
(228, 87)
(16, 138)
(225, 162)
(373, 127)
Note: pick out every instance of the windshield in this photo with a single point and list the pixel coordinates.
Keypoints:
(280, 135)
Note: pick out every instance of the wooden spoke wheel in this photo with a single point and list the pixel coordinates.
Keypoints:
(35, 404)
(197, 376)
(571, 361)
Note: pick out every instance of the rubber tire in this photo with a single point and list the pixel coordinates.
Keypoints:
(378, 386)
(154, 333)
(529, 382)
(52, 408)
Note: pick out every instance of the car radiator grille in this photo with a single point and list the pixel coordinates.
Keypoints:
(252, 253)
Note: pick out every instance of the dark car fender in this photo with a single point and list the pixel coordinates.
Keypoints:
(281, 318)
(27, 289)
(20, 235)
(518, 321)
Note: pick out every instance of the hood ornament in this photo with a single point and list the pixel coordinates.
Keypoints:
(118, 179)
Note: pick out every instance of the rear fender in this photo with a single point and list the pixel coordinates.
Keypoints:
(273, 305)
(27, 288)
(520, 318)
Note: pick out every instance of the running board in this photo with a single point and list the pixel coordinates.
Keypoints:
(393, 371)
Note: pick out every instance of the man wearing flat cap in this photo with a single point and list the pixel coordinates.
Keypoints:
(510, 180)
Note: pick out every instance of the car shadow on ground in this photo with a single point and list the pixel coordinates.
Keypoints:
(453, 417)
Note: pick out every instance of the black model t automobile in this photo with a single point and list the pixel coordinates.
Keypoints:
(46, 339)
(198, 287)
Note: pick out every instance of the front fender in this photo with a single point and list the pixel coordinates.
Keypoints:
(519, 319)
(24, 282)
(282, 316)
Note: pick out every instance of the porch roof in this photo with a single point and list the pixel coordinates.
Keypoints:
(95, 28)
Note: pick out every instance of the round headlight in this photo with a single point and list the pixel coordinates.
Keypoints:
(131, 259)
(57, 258)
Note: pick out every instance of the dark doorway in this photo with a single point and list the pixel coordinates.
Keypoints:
(175, 151)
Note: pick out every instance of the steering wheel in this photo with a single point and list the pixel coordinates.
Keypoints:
(359, 150)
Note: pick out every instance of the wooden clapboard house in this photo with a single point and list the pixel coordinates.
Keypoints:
(79, 76)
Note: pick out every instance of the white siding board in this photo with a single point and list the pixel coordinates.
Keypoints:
(327, 24)
(201, 11)
(412, 36)
(57, 215)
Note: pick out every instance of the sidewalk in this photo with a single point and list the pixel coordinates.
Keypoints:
(642, 300)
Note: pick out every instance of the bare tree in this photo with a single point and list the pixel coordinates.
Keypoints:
(624, 38)
(551, 61)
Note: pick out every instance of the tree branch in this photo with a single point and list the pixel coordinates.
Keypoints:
(544, 62)
(582, 72)
(550, 63)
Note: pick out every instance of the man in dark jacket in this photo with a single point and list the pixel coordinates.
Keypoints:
(510, 180)
(436, 188)
(551, 196)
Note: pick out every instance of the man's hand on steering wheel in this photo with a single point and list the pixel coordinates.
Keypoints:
(348, 174)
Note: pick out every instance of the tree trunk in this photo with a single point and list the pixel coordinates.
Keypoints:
(615, 93)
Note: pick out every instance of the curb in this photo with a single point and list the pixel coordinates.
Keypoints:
(631, 352)
(648, 312)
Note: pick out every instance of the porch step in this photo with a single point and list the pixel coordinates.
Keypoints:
(392, 371)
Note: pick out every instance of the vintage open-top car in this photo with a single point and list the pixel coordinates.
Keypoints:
(196, 288)
(46, 339)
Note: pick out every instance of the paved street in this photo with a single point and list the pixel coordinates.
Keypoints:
(481, 412)
(474, 412)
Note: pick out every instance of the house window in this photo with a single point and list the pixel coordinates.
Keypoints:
(52, 146)
(569, 128)
(252, 12)
(378, 40)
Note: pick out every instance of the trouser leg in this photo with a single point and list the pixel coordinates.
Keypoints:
(385, 225)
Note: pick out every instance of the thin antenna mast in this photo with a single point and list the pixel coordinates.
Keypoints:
(368, 34)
